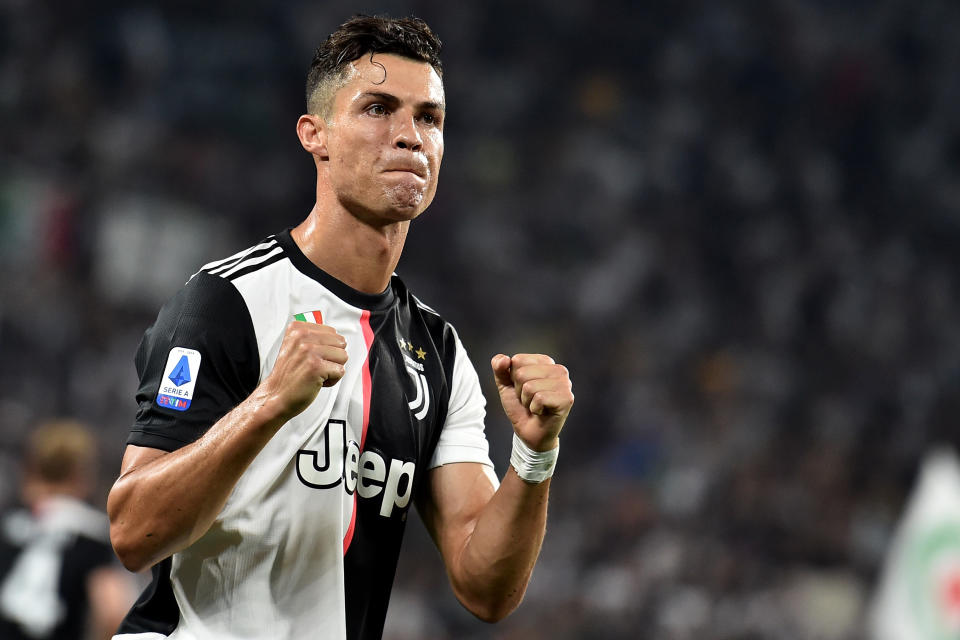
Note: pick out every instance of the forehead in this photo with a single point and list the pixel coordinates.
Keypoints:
(406, 79)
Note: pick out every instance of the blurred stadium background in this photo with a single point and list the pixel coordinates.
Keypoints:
(736, 222)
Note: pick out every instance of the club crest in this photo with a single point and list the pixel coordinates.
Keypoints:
(414, 359)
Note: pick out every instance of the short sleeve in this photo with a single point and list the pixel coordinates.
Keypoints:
(198, 361)
(462, 438)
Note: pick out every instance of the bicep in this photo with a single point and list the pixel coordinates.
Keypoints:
(135, 457)
(452, 504)
(461, 482)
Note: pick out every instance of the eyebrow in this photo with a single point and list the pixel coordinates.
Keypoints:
(393, 100)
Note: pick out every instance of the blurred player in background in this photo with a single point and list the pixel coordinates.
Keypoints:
(296, 398)
(59, 578)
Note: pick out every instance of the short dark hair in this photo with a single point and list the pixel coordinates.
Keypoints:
(362, 34)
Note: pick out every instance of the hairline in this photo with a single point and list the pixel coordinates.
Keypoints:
(322, 106)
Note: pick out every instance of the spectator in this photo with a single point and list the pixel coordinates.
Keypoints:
(59, 579)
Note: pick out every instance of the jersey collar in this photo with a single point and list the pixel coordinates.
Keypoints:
(370, 301)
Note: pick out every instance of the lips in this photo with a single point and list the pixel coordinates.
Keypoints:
(416, 168)
(420, 173)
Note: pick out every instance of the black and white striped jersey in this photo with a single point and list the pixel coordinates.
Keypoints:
(47, 556)
(307, 543)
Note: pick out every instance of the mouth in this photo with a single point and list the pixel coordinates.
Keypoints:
(416, 169)
(416, 172)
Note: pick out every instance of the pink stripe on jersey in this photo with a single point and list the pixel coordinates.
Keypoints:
(367, 382)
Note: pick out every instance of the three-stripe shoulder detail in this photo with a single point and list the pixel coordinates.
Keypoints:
(246, 261)
(216, 265)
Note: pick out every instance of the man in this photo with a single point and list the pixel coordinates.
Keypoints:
(295, 397)
(59, 579)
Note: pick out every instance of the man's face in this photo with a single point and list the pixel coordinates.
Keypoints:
(385, 138)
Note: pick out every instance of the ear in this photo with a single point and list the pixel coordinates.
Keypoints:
(312, 131)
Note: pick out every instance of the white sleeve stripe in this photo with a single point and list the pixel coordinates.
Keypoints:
(251, 262)
(248, 255)
(226, 262)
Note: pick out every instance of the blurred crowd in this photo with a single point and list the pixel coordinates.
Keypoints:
(735, 222)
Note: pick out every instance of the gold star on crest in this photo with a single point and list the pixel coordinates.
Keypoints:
(421, 354)
(403, 343)
(410, 346)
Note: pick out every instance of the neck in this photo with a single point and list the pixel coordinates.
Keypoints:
(360, 255)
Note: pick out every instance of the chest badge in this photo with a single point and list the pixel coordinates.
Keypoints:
(421, 404)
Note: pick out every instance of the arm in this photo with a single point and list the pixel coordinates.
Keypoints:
(163, 502)
(110, 592)
(490, 539)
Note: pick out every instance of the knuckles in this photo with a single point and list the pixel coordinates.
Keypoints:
(524, 359)
(543, 386)
(528, 373)
(305, 336)
(302, 330)
(334, 354)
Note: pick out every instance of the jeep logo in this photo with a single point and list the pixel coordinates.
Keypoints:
(366, 473)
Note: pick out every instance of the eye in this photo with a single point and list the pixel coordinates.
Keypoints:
(377, 110)
(430, 119)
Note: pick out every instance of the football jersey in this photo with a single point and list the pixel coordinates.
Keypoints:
(307, 543)
(46, 559)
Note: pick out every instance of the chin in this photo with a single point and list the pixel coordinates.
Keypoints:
(407, 200)
(396, 203)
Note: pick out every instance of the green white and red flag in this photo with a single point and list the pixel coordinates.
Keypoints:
(313, 317)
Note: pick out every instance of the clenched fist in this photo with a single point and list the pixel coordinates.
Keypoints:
(311, 356)
(536, 394)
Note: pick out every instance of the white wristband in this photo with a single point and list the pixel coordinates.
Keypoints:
(532, 466)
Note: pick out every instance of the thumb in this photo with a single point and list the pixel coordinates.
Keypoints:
(501, 371)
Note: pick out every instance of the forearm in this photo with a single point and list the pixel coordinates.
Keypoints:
(490, 539)
(167, 503)
(497, 560)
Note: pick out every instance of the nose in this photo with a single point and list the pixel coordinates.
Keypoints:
(407, 136)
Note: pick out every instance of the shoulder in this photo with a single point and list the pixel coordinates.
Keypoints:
(205, 302)
(442, 333)
(440, 329)
(209, 314)
(213, 290)
(417, 307)
(63, 513)
(17, 527)
(205, 295)
(249, 260)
